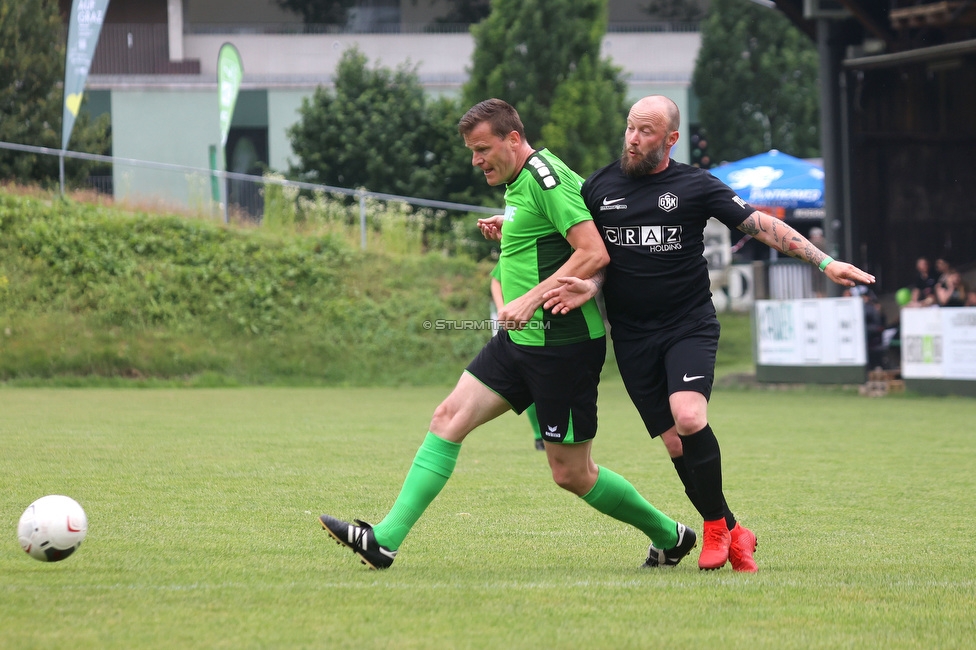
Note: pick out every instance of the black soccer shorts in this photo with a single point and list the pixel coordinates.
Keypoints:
(667, 361)
(561, 380)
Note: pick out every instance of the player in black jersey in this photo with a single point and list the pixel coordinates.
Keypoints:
(651, 212)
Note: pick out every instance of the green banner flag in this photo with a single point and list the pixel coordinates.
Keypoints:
(84, 27)
(230, 71)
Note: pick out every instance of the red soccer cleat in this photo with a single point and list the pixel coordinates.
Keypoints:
(741, 550)
(716, 540)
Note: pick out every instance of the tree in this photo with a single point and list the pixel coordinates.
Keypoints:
(526, 50)
(579, 104)
(31, 96)
(367, 133)
(451, 176)
(378, 130)
(756, 80)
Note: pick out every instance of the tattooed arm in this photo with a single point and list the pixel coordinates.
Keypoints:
(780, 236)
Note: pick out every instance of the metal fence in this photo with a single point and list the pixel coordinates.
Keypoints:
(397, 27)
(791, 280)
(137, 49)
(184, 188)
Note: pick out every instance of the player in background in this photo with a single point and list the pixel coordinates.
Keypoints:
(498, 301)
(651, 212)
(552, 360)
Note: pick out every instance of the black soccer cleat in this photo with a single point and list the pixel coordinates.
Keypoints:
(360, 538)
(670, 557)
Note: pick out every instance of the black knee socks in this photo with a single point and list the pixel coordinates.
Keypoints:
(700, 470)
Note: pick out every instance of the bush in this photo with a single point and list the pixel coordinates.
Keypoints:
(98, 291)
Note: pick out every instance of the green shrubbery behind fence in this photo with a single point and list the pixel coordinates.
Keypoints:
(90, 290)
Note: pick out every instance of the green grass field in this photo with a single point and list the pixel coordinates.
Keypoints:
(202, 509)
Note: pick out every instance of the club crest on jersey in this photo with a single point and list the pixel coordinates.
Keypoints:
(658, 239)
(667, 202)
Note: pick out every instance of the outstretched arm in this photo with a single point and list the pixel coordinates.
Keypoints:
(782, 237)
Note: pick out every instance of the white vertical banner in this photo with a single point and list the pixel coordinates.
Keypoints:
(84, 28)
(230, 71)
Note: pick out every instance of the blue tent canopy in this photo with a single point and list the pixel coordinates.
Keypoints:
(775, 180)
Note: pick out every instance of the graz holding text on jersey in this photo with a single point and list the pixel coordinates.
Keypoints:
(656, 238)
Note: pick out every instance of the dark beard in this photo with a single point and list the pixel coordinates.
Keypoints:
(644, 166)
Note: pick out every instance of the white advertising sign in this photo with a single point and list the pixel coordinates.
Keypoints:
(959, 330)
(921, 343)
(938, 343)
(821, 332)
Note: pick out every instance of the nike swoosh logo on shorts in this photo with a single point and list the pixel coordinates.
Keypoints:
(686, 378)
(608, 201)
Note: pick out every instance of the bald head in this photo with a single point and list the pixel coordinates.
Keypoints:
(658, 108)
(652, 129)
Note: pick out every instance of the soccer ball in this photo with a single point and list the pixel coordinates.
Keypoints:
(52, 528)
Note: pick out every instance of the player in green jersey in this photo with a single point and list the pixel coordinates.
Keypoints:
(551, 360)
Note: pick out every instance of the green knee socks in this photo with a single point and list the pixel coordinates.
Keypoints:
(432, 466)
(434, 463)
(614, 495)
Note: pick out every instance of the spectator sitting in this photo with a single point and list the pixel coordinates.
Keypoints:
(923, 291)
(952, 291)
(942, 268)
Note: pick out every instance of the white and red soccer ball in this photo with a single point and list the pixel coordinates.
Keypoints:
(52, 528)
